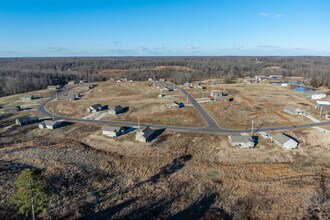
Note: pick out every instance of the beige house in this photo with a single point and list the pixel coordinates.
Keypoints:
(145, 135)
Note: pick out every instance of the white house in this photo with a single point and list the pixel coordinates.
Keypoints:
(51, 124)
(284, 141)
(241, 141)
(112, 131)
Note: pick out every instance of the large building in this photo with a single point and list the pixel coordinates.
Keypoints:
(241, 141)
(316, 95)
(323, 108)
(284, 141)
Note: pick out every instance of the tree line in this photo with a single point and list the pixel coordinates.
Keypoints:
(19, 75)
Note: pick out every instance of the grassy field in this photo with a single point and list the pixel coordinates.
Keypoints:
(141, 98)
(262, 103)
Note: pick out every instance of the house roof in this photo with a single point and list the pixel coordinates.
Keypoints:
(10, 107)
(173, 103)
(147, 132)
(51, 123)
(238, 138)
(281, 138)
(26, 96)
(96, 106)
(118, 107)
(25, 119)
(323, 102)
(111, 128)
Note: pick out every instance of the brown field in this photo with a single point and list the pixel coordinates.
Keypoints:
(262, 103)
(140, 97)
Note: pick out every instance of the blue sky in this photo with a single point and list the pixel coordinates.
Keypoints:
(164, 27)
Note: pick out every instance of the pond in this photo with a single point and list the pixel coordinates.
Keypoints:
(303, 89)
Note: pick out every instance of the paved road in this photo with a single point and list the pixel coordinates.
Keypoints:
(212, 126)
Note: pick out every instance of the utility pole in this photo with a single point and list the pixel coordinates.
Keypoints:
(138, 122)
(32, 199)
(53, 114)
(187, 99)
(252, 127)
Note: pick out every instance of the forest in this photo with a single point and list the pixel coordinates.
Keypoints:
(18, 75)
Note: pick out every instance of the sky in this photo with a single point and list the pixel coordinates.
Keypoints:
(48, 28)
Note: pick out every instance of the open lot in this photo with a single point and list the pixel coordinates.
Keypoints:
(262, 103)
(141, 98)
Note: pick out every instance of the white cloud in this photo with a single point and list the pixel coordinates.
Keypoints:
(116, 43)
(269, 46)
(263, 14)
(193, 46)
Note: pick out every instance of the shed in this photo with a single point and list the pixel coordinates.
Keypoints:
(112, 131)
(292, 110)
(145, 135)
(215, 93)
(284, 141)
(241, 141)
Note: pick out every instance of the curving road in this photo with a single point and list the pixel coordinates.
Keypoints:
(212, 125)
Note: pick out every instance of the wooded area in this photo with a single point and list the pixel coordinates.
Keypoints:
(19, 75)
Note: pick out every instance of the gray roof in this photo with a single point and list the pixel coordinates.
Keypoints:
(281, 138)
(147, 132)
(238, 138)
(118, 108)
(26, 119)
(111, 128)
(96, 106)
(10, 107)
(51, 123)
(173, 103)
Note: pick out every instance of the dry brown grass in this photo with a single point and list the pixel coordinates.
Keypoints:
(262, 103)
(142, 100)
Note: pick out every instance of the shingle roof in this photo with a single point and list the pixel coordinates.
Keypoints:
(96, 106)
(147, 132)
(25, 119)
(281, 138)
(10, 107)
(238, 138)
(110, 128)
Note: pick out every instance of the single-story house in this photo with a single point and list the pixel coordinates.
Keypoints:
(150, 80)
(222, 99)
(284, 141)
(292, 110)
(72, 96)
(11, 108)
(96, 108)
(167, 88)
(123, 79)
(275, 77)
(316, 95)
(116, 110)
(88, 85)
(82, 81)
(162, 80)
(53, 87)
(145, 135)
(159, 85)
(174, 104)
(50, 124)
(253, 80)
(27, 97)
(112, 131)
(21, 121)
(215, 93)
(73, 82)
(241, 141)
